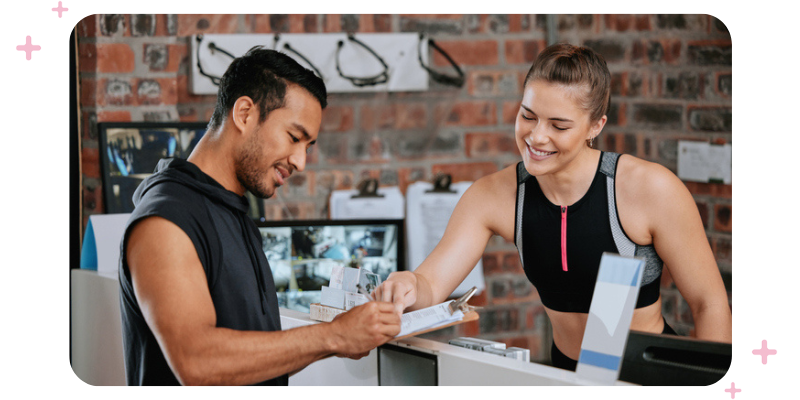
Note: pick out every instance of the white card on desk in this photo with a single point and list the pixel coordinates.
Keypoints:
(333, 297)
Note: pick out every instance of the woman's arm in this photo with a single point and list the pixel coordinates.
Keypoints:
(485, 209)
(677, 232)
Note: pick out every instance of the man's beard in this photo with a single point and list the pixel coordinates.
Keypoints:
(248, 172)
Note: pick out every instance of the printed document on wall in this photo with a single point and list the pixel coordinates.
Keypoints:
(390, 204)
(426, 219)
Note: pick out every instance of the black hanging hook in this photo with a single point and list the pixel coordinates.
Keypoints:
(451, 80)
(383, 77)
(290, 48)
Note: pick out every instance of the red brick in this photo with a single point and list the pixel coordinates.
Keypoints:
(510, 111)
(722, 218)
(88, 89)
(162, 25)
(296, 210)
(87, 27)
(329, 180)
(175, 54)
(382, 22)
(393, 116)
(115, 58)
(434, 16)
(332, 23)
(523, 51)
(185, 95)
(619, 22)
(113, 116)
(87, 57)
(490, 144)
(467, 52)
(90, 162)
(167, 91)
(722, 249)
(258, 23)
(709, 189)
(337, 119)
(643, 23)
(468, 113)
(511, 263)
(491, 263)
(193, 24)
(493, 83)
(407, 176)
(465, 172)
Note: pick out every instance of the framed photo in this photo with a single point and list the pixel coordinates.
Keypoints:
(130, 151)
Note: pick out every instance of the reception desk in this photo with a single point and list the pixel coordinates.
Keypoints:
(97, 352)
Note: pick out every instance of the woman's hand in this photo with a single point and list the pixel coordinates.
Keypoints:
(399, 289)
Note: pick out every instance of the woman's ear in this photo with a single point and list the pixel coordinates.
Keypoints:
(597, 127)
(244, 112)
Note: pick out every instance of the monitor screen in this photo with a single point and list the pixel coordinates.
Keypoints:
(302, 254)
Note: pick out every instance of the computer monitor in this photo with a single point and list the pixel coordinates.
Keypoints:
(670, 360)
(302, 253)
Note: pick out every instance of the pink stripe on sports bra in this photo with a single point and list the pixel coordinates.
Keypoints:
(564, 238)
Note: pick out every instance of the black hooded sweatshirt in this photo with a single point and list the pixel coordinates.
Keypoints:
(228, 244)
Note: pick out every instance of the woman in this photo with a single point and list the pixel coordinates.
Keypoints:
(567, 203)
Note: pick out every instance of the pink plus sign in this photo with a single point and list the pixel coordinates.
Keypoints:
(733, 390)
(764, 352)
(60, 9)
(28, 48)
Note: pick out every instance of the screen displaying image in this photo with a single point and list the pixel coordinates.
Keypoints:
(130, 152)
(302, 255)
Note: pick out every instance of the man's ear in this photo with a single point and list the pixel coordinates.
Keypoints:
(244, 112)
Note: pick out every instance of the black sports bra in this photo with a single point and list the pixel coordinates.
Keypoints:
(560, 246)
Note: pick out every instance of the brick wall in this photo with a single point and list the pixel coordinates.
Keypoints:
(671, 81)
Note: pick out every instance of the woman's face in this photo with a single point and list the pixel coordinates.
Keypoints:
(551, 129)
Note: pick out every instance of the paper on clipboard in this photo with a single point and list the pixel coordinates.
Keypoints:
(431, 318)
(426, 220)
(390, 206)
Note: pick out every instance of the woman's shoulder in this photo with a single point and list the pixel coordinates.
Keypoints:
(499, 182)
(645, 178)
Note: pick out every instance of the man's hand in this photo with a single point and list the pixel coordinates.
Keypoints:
(399, 289)
(364, 328)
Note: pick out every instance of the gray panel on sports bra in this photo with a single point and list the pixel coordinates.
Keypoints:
(626, 247)
(520, 203)
(653, 265)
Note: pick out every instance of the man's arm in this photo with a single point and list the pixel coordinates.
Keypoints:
(172, 291)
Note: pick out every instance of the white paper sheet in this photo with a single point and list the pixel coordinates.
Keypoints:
(427, 218)
(428, 318)
(390, 206)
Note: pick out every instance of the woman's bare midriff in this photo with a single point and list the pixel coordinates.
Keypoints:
(568, 327)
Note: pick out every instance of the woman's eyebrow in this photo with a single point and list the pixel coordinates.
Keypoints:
(551, 119)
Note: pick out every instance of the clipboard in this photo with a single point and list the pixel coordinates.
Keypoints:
(472, 315)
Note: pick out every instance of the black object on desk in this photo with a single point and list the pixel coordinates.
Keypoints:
(669, 360)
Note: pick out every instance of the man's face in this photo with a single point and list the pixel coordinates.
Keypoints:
(278, 146)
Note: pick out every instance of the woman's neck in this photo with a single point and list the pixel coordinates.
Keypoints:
(568, 185)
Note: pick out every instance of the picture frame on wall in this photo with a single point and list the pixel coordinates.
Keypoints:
(130, 152)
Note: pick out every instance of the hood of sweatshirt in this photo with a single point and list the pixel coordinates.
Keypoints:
(189, 175)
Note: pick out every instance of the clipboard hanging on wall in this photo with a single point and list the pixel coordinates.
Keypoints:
(369, 201)
(428, 210)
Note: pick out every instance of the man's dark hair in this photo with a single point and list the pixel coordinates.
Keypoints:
(263, 75)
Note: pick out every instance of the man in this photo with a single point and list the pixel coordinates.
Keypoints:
(197, 296)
